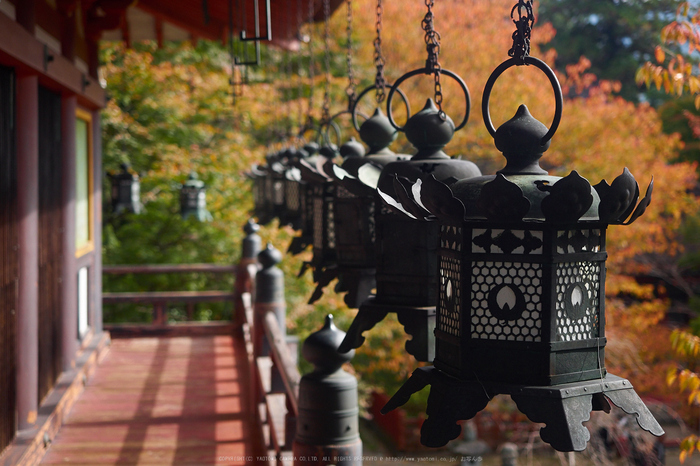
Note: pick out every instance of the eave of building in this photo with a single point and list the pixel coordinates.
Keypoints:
(177, 20)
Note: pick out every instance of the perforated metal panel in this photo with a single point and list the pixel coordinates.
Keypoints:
(318, 221)
(448, 318)
(330, 224)
(578, 300)
(505, 301)
(278, 192)
(292, 196)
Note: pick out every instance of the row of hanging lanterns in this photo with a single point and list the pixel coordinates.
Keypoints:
(498, 279)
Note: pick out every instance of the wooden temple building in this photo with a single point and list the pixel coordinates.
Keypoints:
(51, 184)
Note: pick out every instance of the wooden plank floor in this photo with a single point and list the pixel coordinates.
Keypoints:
(178, 400)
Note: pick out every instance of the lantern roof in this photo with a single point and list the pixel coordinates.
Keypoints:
(522, 190)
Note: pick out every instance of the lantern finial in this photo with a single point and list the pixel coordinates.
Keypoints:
(520, 140)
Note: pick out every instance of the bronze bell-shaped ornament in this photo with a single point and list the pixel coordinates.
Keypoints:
(521, 302)
(406, 249)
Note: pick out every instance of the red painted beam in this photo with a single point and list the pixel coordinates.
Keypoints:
(187, 15)
(18, 48)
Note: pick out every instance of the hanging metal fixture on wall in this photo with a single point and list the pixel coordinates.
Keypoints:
(193, 199)
(406, 250)
(126, 191)
(246, 61)
(521, 304)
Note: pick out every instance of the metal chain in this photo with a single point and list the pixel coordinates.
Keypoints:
(300, 81)
(309, 113)
(326, 114)
(350, 90)
(523, 30)
(379, 80)
(432, 41)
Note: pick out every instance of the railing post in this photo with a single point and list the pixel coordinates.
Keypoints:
(328, 417)
(246, 271)
(269, 296)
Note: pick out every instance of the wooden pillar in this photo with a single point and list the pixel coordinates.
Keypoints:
(28, 232)
(96, 275)
(69, 325)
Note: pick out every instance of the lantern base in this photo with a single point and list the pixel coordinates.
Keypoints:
(562, 408)
(299, 244)
(418, 322)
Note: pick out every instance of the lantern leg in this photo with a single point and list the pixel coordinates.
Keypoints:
(419, 323)
(565, 407)
(298, 245)
(322, 278)
(629, 402)
(365, 319)
(358, 283)
(564, 418)
(441, 424)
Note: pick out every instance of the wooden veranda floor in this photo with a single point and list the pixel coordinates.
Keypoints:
(162, 400)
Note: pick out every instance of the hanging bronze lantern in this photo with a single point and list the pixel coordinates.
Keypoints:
(321, 190)
(126, 191)
(306, 219)
(521, 304)
(276, 173)
(193, 199)
(294, 190)
(406, 250)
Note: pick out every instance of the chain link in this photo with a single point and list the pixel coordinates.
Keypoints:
(326, 114)
(300, 82)
(312, 76)
(351, 89)
(379, 80)
(523, 30)
(432, 42)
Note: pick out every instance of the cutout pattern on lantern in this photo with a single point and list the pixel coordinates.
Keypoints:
(573, 241)
(451, 237)
(578, 302)
(330, 224)
(450, 295)
(497, 241)
(524, 280)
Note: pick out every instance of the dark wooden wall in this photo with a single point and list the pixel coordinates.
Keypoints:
(8, 256)
(50, 240)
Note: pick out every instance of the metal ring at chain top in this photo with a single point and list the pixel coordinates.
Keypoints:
(323, 136)
(410, 74)
(320, 134)
(365, 91)
(558, 96)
